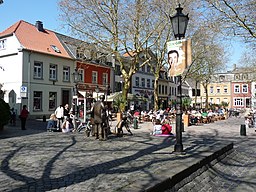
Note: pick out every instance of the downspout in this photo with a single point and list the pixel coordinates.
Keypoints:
(29, 79)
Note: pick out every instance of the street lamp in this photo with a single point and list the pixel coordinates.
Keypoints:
(179, 24)
(77, 79)
(97, 91)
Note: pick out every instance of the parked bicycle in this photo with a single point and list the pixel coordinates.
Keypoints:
(85, 127)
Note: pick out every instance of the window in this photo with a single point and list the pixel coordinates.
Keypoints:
(162, 89)
(225, 89)
(238, 102)
(211, 100)
(66, 74)
(53, 72)
(165, 90)
(81, 73)
(148, 83)
(237, 88)
(159, 89)
(218, 101)
(55, 48)
(218, 89)
(137, 81)
(143, 82)
(211, 89)
(52, 100)
(2, 44)
(245, 88)
(148, 68)
(143, 68)
(95, 77)
(38, 70)
(153, 82)
(105, 79)
(37, 101)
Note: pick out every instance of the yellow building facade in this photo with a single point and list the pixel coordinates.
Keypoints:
(219, 91)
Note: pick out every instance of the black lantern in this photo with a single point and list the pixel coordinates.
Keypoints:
(179, 23)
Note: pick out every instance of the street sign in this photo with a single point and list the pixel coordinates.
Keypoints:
(23, 89)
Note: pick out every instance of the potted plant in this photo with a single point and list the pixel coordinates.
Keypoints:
(5, 114)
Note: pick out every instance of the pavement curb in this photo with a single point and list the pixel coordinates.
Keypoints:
(180, 179)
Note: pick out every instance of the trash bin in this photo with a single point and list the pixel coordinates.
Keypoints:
(243, 130)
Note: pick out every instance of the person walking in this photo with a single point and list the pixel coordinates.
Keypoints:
(59, 112)
(23, 117)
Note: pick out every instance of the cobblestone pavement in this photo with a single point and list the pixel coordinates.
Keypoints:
(36, 160)
(235, 172)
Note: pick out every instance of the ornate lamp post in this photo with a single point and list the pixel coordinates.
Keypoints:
(179, 24)
(77, 79)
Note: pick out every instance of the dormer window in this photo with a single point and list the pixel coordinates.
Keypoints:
(2, 44)
(55, 48)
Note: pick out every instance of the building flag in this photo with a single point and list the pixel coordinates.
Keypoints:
(179, 56)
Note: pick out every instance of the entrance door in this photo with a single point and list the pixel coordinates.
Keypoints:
(65, 97)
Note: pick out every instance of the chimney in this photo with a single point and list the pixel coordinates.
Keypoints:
(39, 26)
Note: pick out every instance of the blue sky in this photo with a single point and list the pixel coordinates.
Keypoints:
(30, 11)
(47, 12)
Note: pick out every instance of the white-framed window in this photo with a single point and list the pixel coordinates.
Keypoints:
(236, 88)
(225, 89)
(81, 74)
(66, 74)
(245, 88)
(105, 79)
(37, 101)
(53, 72)
(211, 100)
(238, 102)
(218, 89)
(218, 101)
(52, 100)
(38, 70)
(95, 77)
(211, 89)
(143, 82)
(148, 83)
(137, 81)
(2, 44)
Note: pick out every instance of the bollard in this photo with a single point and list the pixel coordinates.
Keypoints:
(135, 123)
(44, 118)
(243, 130)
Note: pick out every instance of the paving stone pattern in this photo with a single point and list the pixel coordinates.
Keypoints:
(235, 172)
(36, 160)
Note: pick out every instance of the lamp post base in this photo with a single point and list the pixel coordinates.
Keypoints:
(178, 147)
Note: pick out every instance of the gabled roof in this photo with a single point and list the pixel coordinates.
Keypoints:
(34, 40)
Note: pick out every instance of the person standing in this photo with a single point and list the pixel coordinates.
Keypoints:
(66, 111)
(59, 112)
(23, 117)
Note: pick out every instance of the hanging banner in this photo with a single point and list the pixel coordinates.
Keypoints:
(179, 56)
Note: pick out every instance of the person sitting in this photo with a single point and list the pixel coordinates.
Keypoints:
(157, 129)
(52, 124)
(67, 125)
(166, 127)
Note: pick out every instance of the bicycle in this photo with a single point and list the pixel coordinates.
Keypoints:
(122, 123)
(85, 126)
